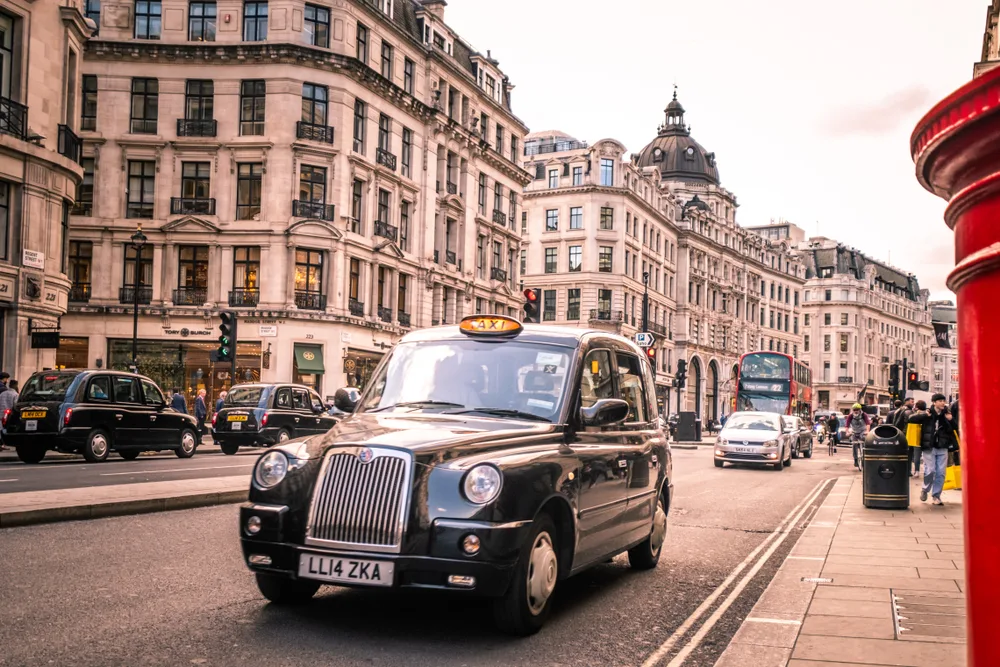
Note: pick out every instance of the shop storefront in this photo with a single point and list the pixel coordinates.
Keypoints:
(308, 368)
(73, 352)
(359, 366)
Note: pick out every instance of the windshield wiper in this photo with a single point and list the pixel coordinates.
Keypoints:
(502, 412)
(419, 404)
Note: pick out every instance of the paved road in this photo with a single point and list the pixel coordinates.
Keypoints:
(170, 589)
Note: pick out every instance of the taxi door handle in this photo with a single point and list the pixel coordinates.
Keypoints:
(118, 416)
(296, 420)
(152, 418)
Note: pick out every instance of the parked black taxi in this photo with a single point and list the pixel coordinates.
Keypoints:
(487, 457)
(261, 415)
(92, 412)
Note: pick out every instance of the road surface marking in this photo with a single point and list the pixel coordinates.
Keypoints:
(778, 621)
(668, 645)
(8, 480)
(144, 472)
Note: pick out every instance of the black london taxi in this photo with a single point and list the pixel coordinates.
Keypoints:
(261, 415)
(491, 458)
(92, 412)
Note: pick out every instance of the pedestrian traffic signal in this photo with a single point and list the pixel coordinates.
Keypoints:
(531, 305)
(227, 336)
(912, 380)
(681, 373)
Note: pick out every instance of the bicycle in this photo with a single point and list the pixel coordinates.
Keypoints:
(858, 450)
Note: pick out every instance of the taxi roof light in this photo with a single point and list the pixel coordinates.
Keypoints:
(485, 325)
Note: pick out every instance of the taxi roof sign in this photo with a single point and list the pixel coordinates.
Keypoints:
(489, 325)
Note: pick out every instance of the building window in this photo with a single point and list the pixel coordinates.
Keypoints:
(388, 53)
(361, 51)
(401, 293)
(404, 226)
(552, 220)
(549, 305)
(844, 339)
(844, 319)
(199, 100)
(145, 266)
(513, 148)
(607, 172)
(805, 343)
(246, 268)
(385, 133)
(827, 321)
(147, 19)
(356, 205)
(408, 68)
(201, 22)
(312, 184)
(383, 206)
(314, 104)
(145, 105)
(196, 180)
(553, 178)
(607, 217)
(498, 196)
(141, 188)
(85, 191)
(484, 126)
(248, 190)
(309, 271)
(497, 255)
(407, 153)
(576, 217)
(499, 146)
(604, 303)
(524, 261)
(806, 320)
(254, 21)
(360, 112)
(573, 304)
(551, 260)
(88, 110)
(92, 10)
(192, 270)
(604, 259)
(513, 208)
(828, 295)
(252, 99)
(575, 258)
(79, 258)
(316, 29)
(577, 175)
(826, 342)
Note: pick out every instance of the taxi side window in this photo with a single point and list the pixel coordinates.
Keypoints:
(283, 399)
(316, 401)
(152, 393)
(630, 385)
(125, 390)
(300, 400)
(596, 380)
(99, 389)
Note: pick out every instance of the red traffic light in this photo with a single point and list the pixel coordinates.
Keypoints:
(651, 352)
(531, 295)
(912, 377)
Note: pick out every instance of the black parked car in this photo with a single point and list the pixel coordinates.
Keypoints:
(93, 412)
(488, 458)
(260, 415)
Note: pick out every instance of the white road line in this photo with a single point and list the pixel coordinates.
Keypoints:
(776, 621)
(668, 645)
(707, 626)
(144, 472)
(8, 480)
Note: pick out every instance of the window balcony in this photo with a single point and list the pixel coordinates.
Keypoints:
(13, 118)
(313, 132)
(309, 209)
(385, 158)
(70, 145)
(500, 217)
(498, 274)
(385, 230)
(190, 296)
(187, 127)
(192, 206)
(139, 211)
(356, 308)
(658, 328)
(127, 295)
(385, 314)
(244, 298)
(404, 320)
(79, 294)
(84, 208)
(449, 257)
(597, 315)
(452, 188)
(310, 301)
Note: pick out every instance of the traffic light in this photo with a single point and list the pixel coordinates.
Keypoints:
(912, 380)
(681, 373)
(651, 355)
(531, 305)
(894, 381)
(227, 336)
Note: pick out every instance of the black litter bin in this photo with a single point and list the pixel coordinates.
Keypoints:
(886, 469)
(686, 428)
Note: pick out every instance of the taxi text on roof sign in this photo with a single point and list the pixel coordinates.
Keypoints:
(475, 324)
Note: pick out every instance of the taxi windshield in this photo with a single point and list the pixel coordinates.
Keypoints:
(509, 379)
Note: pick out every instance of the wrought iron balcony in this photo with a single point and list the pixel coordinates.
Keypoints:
(658, 328)
(500, 217)
(313, 132)
(452, 188)
(385, 314)
(498, 274)
(606, 315)
(385, 158)
(385, 230)
(404, 319)
(13, 118)
(356, 308)
(192, 206)
(309, 209)
(70, 145)
(190, 296)
(310, 301)
(84, 208)
(449, 257)
(126, 295)
(189, 127)
(79, 294)
(244, 298)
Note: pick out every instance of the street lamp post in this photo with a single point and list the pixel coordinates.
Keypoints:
(645, 300)
(138, 241)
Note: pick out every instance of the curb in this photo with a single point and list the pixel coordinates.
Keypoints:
(120, 508)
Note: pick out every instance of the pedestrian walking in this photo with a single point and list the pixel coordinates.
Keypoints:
(200, 413)
(8, 397)
(937, 437)
(221, 401)
(858, 425)
(178, 403)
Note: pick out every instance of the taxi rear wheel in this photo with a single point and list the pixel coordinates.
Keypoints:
(129, 454)
(30, 454)
(282, 590)
(524, 607)
(97, 446)
(646, 555)
(189, 443)
(284, 436)
(229, 448)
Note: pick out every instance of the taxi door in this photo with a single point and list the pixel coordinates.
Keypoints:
(642, 436)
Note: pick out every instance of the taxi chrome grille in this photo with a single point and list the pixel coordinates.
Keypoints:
(360, 505)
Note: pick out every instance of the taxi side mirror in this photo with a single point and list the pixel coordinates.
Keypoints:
(346, 399)
(604, 412)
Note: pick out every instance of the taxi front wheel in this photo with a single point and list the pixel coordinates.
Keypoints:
(524, 607)
(285, 591)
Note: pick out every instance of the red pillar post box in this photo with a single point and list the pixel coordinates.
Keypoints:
(956, 148)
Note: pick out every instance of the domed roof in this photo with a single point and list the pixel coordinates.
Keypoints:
(676, 154)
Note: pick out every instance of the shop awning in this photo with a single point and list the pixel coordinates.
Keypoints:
(309, 358)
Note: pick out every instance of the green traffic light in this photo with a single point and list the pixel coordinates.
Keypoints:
(224, 340)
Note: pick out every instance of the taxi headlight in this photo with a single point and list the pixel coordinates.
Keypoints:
(482, 484)
(271, 469)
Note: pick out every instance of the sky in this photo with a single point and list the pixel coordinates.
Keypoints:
(809, 106)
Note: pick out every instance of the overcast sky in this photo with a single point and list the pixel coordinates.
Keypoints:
(808, 106)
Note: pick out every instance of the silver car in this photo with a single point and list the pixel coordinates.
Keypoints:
(755, 437)
(802, 437)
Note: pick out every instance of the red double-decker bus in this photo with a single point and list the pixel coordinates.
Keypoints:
(774, 382)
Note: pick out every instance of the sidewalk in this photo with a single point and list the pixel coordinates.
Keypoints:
(869, 587)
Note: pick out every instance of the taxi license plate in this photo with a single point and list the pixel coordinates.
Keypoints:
(349, 570)
(236, 426)
(31, 425)
(33, 414)
(237, 418)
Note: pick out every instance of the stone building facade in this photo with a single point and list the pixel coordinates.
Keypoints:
(990, 57)
(41, 51)
(324, 171)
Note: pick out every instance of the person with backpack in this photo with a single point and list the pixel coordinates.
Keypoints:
(858, 424)
(937, 437)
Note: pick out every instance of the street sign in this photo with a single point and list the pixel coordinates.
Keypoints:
(644, 339)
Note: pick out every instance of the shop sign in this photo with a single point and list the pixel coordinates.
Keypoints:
(345, 336)
(33, 259)
(6, 288)
(350, 365)
(268, 331)
(185, 332)
(257, 320)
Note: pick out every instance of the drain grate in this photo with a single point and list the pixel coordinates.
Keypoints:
(919, 615)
